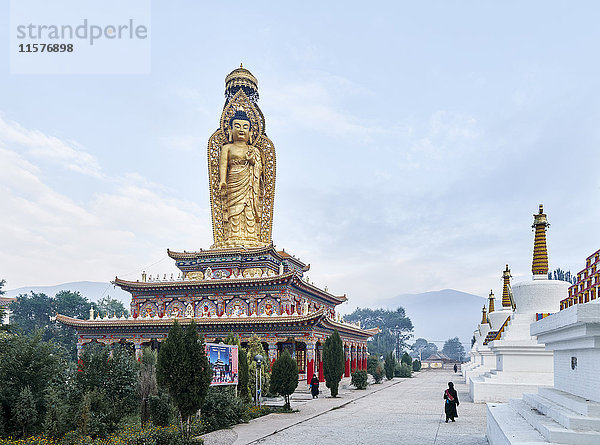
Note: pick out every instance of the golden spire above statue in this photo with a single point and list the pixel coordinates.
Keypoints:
(241, 168)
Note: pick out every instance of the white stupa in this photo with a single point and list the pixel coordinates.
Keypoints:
(522, 364)
(568, 411)
(482, 358)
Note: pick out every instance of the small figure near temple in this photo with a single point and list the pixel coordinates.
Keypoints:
(455, 368)
(314, 386)
(452, 402)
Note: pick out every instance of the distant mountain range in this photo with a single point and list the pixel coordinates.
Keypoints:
(440, 315)
(436, 316)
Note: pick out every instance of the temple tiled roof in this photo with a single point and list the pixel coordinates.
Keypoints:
(279, 254)
(217, 252)
(302, 283)
(187, 285)
(309, 319)
(349, 327)
(184, 284)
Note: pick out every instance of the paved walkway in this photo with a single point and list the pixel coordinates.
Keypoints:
(400, 411)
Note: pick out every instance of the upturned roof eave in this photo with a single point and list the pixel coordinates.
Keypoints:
(312, 319)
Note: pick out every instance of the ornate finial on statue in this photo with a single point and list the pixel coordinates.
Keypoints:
(241, 65)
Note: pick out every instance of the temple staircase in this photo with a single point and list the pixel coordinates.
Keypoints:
(550, 416)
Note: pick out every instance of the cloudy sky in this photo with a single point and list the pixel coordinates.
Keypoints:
(414, 142)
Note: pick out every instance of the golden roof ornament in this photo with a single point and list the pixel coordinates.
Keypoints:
(539, 266)
(241, 168)
(241, 78)
(491, 307)
(484, 318)
(506, 276)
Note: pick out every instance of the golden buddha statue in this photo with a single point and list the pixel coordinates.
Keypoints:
(241, 166)
(240, 174)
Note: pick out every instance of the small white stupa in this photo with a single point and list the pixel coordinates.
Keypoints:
(482, 358)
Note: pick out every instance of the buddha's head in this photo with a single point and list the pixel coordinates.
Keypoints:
(240, 126)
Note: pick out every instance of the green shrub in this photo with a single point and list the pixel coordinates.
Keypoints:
(416, 365)
(406, 359)
(402, 370)
(359, 379)
(161, 409)
(258, 411)
(378, 373)
(372, 362)
(389, 366)
(131, 435)
(221, 408)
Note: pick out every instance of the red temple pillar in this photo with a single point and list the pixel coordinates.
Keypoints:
(310, 361)
(347, 364)
(319, 354)
(365, 358)
(353, 354)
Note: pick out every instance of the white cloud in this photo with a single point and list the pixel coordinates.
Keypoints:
(48, 238)
(36, 144)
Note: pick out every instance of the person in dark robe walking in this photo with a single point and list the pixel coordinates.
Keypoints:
(455, 368)
(314, 386)
(451, 398)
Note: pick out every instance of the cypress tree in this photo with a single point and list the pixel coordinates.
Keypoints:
(183, 369)
(406, 359)
(333, 362)
(243, 375)
(284, 376)
(25, 413)
(389, 366)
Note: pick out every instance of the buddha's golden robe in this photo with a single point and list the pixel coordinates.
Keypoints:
(243, 197)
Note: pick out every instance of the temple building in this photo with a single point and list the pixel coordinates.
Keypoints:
(242, 283)
(588, 283)
(5, 303)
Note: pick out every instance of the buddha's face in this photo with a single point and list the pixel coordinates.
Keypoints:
(240, 130)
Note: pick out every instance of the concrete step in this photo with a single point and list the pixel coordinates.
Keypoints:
(506, 427)
(573, 402)
(561, 414)
(551, 430)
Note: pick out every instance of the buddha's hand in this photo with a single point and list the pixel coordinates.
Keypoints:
(223, 187)
(250, 157)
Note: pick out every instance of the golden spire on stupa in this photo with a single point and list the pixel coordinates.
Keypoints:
(539, 267)
(506, 276)
(484, 318)
(491, 307)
